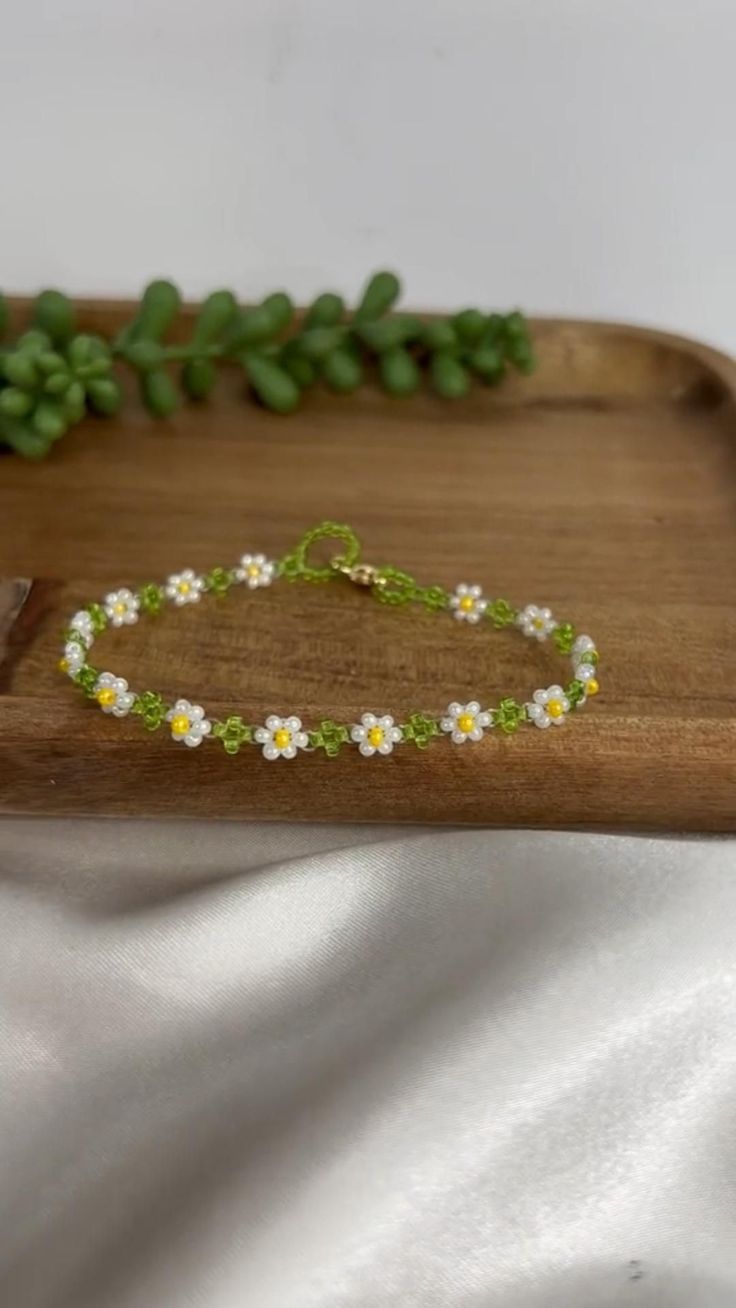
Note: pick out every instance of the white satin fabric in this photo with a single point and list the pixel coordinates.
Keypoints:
(300, 1067)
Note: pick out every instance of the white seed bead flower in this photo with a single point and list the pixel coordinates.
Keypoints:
(188, 723)
(467, 603)
(112, 694)
(549, 706)
(184, 587)
(121, 607)
(73, 658)
(82, 624)
(374, 735)
(465, 722)
(281, 737)
(536, 622)
(255, 570)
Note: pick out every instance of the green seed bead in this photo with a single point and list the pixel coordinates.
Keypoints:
(272, 384)
(20, 370)
(380, 294)
(440, 335)
(54, 314)
(198, 377)
(398, 372)
(326, 311)
(470, 325)
(159, 307)
(159, 393)
(342, 372)
(280, 310)
(216, 314)
(48, 420)
(449, 378)
(15, 403)
(390, 332)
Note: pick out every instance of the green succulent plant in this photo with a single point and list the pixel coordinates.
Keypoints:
(51, 376)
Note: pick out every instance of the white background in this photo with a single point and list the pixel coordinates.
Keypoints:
(573, 156)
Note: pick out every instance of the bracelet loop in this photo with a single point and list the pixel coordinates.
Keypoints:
(296, 566)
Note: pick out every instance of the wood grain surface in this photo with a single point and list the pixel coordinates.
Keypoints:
(605, 486)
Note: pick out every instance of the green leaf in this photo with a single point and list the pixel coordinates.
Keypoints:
(326, 311)
(342, 372)
(159, 307)
(53, 312)
(272, 384)
(158, 393)
(399, 372)
(449, 378)
(104, 394)
(215, 315)
(15, 403)
(380, 294)
(198, 377)
(389, 332)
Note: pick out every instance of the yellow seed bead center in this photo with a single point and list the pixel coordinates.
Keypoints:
(63, 665)
(184, 587)
(538, 623)
(555, 708)
(592, 686)
(106, 697)
(253, 570)
(375, 736)
(281, 738)
(466, 722)
(180, 724)
(466, 603)
(119, 608)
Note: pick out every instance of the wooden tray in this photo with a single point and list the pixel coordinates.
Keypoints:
(604, 486)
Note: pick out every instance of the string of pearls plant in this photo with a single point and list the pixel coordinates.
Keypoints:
(283, 736)
(52, 375)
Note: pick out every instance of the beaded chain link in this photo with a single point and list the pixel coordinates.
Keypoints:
(375, 733)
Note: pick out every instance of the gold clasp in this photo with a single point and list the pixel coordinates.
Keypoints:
(361, 574)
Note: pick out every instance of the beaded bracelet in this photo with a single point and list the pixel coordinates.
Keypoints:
(375, 733)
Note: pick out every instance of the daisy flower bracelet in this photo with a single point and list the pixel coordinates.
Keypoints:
(283, 735)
